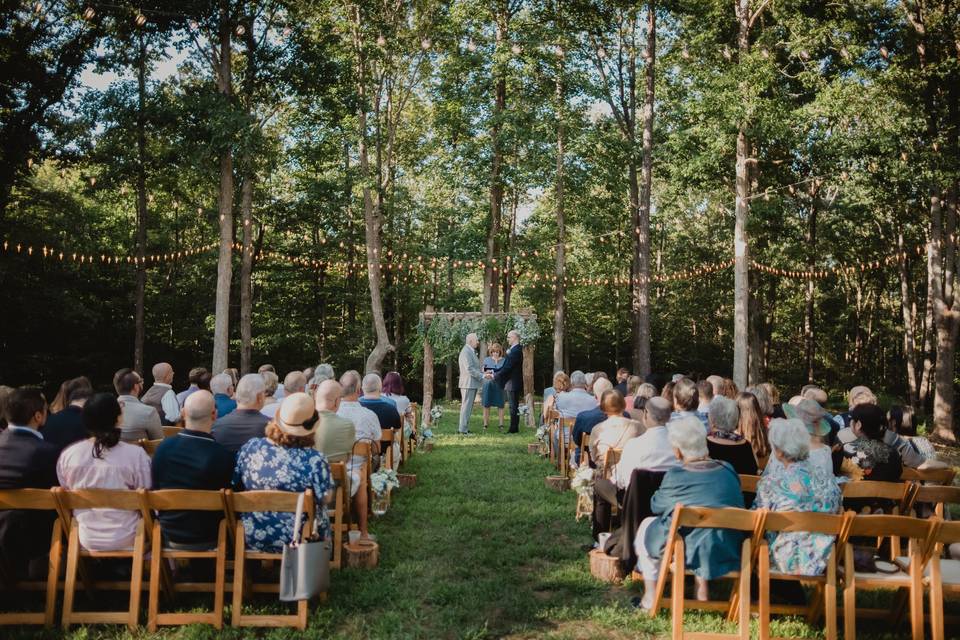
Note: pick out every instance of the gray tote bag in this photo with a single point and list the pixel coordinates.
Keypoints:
(305, 567)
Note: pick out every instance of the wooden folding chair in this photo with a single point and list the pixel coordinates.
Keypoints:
(412, 440)
(921, 534)
(938, 496)
(386, 445)
(900, 494)
(249, 501)
(748, 484)
(186, 500)
(150, 446)
(942, 576)
(68, 502)
(584, 450)
(825, 586)
(940, 475)
(672, 567)
(339, 512)
(169, 432)
(36, 500)
(565, 446)
(610, 460)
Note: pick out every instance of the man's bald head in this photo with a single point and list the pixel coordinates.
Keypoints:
(328, 396)
(658, 411)
(162, 372)
(199, 411)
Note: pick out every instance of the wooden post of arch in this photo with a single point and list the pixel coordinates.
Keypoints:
(427, 376)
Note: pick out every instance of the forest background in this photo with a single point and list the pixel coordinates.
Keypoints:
(762, 189)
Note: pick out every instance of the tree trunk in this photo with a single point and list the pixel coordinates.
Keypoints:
(221, 327)
(559, 297)
(246, 272)
(741, 252)
(945, 313)
(641, 290)
(141, 284)
(809, 335)
(371, 216)
(908, 312)
(490, 289)
(506, 263)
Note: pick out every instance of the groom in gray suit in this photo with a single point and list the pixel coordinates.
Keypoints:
(471, 377)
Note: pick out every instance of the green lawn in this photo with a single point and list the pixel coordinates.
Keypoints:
(479, 549)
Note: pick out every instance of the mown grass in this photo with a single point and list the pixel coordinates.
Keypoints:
(479, 549)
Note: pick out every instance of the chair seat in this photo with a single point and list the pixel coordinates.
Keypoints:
(865, 577)
(774, 575)
(949, 569)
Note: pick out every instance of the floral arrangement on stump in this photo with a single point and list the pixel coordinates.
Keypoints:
(382, 482)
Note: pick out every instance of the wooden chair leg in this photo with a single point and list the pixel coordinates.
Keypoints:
(302, 611)
(238, 569)
(662, 579)
(53, 574)
(916, 592)
(153, 598)
(677, 597)
(936, 599)
(136, 577)
(763, 572)
(219, 586)
(70, 580)
(744, 591)
(830, 597)
(849, 595)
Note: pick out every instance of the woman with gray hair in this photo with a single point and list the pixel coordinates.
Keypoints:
(794, 484)
(723, 441)
(698, 482)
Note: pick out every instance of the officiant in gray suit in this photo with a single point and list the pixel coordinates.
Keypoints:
(471, 377)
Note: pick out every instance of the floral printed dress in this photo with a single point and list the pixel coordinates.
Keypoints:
(263, 465)
(798, 487)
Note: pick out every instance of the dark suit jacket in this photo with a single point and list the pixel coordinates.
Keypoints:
(63, 428)
(26, 462)
(510, 376)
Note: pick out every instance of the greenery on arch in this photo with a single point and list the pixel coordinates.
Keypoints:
(446, 335)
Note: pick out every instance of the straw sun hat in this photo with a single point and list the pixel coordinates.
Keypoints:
(297, 415)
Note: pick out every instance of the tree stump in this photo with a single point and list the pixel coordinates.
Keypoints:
(605, 568)
(533, 447)
(362, 554)
(426, 447)
(558, 483)
(407, 480)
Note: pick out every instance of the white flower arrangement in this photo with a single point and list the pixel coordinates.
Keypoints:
(436, 412)
(384, 480)
(582, 482)
(542, 432)
(523, 410)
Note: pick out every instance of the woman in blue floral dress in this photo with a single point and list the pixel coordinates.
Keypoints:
(285, 460)
(797, 485)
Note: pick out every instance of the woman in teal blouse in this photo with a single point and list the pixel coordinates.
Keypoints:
(699, 482)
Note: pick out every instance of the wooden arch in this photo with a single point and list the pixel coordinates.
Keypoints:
(427, 316)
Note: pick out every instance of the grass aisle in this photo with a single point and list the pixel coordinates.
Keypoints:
(480, 548)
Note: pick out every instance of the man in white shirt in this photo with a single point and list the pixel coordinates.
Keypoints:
(572, 403)
(367, 427)
(139, 421)
(161, 395)
(652, 449)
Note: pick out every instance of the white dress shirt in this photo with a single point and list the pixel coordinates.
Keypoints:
(364, 421)
(651, 450)
(171, 408)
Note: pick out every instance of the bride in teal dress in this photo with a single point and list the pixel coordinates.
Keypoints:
(491, 394)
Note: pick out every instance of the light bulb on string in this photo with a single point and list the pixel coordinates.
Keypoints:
(88, 13)
(287, 31)
(516, 49)
(194, 25)
(240, 30)
(602, 53)
(381, 41)
(471, 45)
(885, 53)
(425, 44)
(140, 20)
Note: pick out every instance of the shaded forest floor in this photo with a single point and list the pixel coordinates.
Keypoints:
(479, 549)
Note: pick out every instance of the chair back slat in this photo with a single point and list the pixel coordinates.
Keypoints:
(185, 500)
(880, 490)
(949, 532)
(281, 501)
(725, 518)
(124, 499)
(943, 475)
(150, 446)
(39, 499)
(748, 483)
(338, 471)
(169, 432)
(884, 525)
(610, 460)
(386, 435)
(807, 522)
(937, 496)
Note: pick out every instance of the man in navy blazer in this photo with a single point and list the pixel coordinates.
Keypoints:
(510, 378)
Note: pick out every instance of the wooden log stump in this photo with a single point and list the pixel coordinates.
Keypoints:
(533, 447)
(362, 554)
(605, 568)
(407, 480)
(426, 447)
(558, 483)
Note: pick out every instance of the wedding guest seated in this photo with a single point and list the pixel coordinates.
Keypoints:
(686, 399)
(633, 388)
(233, 430)
(869, 457)
(192, 459)
(5, 393)
(284, 460)
(794, 484)
(816, 422)
(27, 461)
(776, 409)
(335, 434)
(857, 396)
(729, 389)
(561, 384)
(161, 395)
(623, 380)
(900, 421)
(572, 403)
(393, 391)
(105, 462)
(65, 427)
(67, 387)
(616, 430)
(222, 387)
(321, 373)
(698, 482)
(194, 377)
(753, 428)
(586, 421)
(704, 396)
(385, 410)
(667, 392)
(723, 441)
(909, 455)
(293, 381)
(140, 421)
(270, 404)
(367, 429)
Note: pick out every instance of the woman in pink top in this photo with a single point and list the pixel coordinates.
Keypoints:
(103, 462)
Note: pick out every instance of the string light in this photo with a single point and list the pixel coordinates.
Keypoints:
(140, 20)
(88, 13)
(47, 251)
